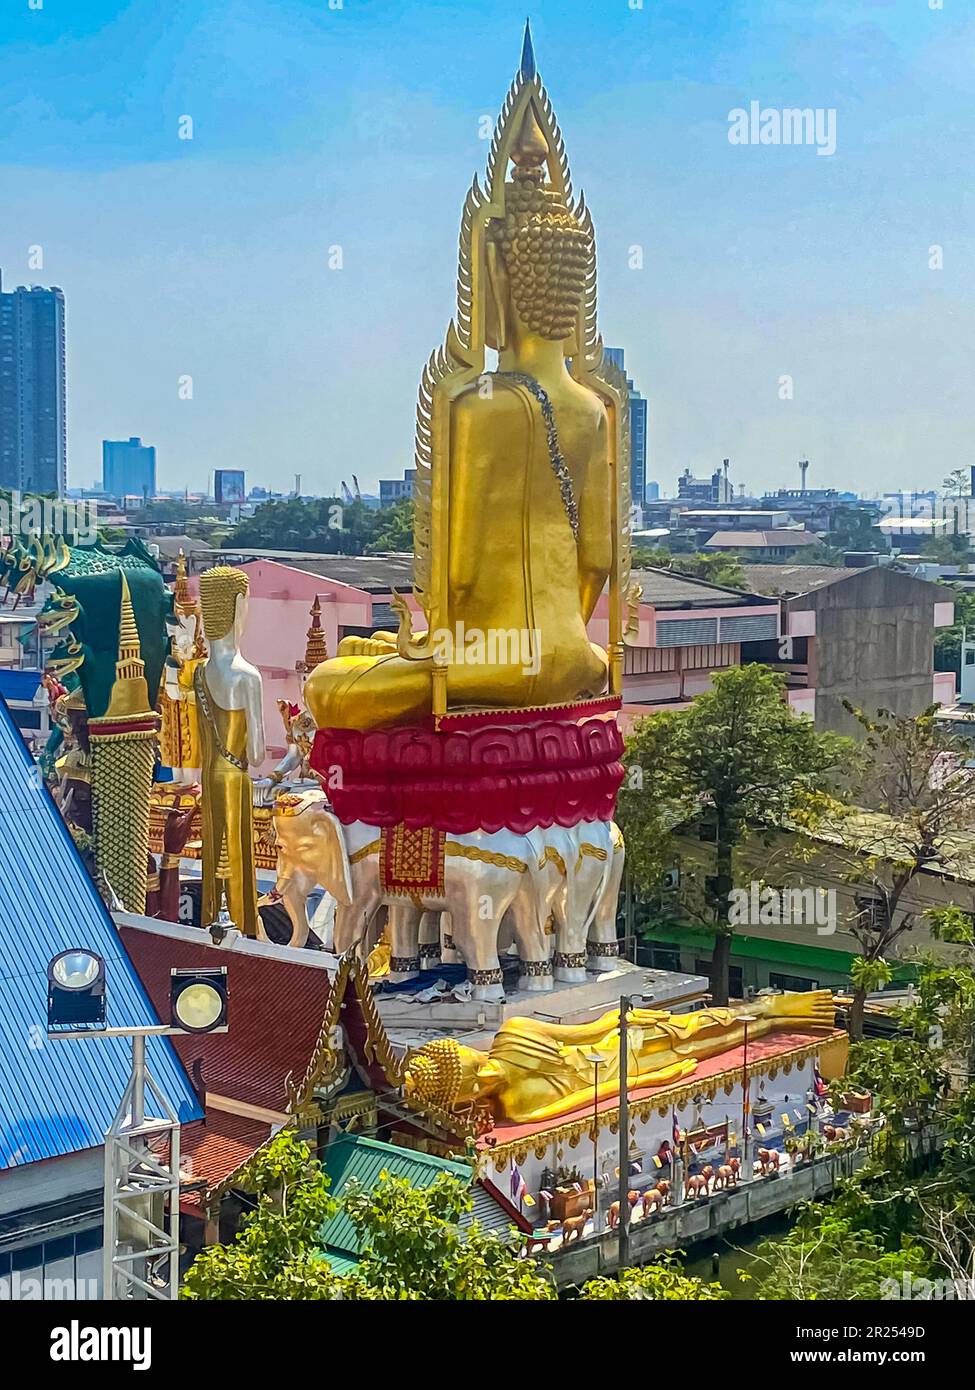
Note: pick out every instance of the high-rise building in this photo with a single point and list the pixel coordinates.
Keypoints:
(653, 491)
(717, 488)
(33, 431)
(638, 431)
(229, 485)
(128, 468)
(392, 490)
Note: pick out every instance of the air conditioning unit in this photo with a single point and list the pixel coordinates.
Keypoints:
(671, 880)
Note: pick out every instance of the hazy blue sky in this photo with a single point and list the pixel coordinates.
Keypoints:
(359, 127)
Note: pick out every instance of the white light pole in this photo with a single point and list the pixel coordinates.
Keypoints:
(141, 1182)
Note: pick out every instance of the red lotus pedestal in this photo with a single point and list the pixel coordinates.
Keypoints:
(489, 770)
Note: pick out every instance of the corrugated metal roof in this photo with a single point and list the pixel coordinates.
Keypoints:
(59, 1097)
(354, 1156)
(18, 685)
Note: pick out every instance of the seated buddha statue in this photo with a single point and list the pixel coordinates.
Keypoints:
(536, 1071)
(522, 527)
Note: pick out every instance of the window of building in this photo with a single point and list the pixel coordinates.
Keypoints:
(870, 911)
(736, 984)
(792, 984)
(665, 958)
(64, 1267)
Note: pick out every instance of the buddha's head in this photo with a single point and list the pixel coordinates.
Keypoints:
(539, 254)
(223, 601)
(446, 1074)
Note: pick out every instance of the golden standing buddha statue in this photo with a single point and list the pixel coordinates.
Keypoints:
(521, 494)
(228, 698)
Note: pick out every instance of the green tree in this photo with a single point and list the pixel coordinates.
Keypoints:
(853, 528)
(721, 568)
(664, 1280)
(916, 789)
(828, 1255)
(413, 1247)
(394, 531)
(276, 1255)
(736, 759)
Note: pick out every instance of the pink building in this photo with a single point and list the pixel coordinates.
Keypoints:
(850, 643)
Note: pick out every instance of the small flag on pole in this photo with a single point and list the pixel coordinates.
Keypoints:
(518, 1186)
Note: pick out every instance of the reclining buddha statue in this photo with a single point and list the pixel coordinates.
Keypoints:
(521, 493)
(536, 1070)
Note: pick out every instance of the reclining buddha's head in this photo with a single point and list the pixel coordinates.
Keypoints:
(446, 1074)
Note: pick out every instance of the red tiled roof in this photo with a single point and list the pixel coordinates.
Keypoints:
(211, 1149)
(276, 1009)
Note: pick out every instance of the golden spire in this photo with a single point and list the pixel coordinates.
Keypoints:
(316, 650)
(182, 600)
(130, 693)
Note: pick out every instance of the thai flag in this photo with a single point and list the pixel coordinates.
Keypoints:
(518, 1186)
(676, 1130)
(819, 1085)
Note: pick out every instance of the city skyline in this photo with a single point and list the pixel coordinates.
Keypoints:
(312, 129)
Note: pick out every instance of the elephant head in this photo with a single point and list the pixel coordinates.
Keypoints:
(311, 852)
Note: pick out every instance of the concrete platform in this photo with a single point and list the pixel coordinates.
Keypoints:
(411, 1023)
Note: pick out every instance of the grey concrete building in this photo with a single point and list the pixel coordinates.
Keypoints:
(863, 635)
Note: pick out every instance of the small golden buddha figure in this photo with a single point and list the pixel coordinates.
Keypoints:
(536, 1071)
(517, 499)
(179, 739)
(228, 698)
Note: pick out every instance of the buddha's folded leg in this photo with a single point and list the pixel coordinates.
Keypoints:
(364, 692)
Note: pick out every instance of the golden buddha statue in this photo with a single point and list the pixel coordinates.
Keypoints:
(521, 496)
(179, 739)
(228, 697)
(537, 1071)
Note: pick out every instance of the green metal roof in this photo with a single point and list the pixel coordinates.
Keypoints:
(354, 1156)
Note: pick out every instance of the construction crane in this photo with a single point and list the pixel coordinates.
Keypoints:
(347, 497)
(355, 484)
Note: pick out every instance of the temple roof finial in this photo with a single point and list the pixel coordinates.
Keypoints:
(527, 54)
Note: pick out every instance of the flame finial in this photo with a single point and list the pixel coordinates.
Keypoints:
(527, 54)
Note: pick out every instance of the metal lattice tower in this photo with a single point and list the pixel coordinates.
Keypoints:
(141, 1247)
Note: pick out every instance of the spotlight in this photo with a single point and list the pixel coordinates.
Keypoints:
(76, 988)
(198, 1000)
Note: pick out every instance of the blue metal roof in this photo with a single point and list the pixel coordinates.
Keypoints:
(19, 685)
(59, 1097)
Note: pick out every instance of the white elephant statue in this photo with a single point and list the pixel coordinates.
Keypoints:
(485, 876)
(585, 906)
